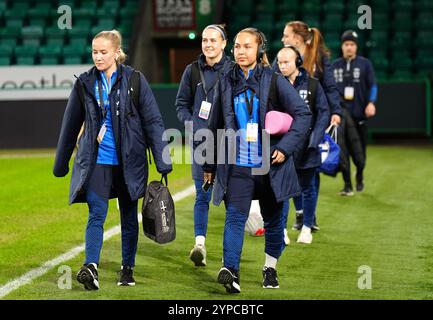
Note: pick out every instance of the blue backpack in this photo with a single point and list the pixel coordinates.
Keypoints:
(330, 152)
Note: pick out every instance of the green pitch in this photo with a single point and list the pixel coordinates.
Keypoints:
(388, 229)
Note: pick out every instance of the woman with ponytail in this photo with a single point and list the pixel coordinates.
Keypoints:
(111, 158)
(310, 43)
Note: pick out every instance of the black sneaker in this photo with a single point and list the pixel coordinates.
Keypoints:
(230, 279)
(359, 186)
(346, 191)
(270, 278)
(88, 276)
(315, 227)
(299, 221)
(126, 277)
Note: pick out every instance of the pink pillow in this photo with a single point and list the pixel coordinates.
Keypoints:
(277, 123)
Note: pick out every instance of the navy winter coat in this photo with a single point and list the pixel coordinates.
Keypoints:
(310, 156)
(283, 177)
(188, 106)
(134, 127)
(327, 82)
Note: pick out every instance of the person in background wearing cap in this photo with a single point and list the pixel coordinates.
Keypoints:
(197, 97)
(315, 55)
(309, 158)
(356, 83)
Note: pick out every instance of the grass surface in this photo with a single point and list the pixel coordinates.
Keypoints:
(388, 228)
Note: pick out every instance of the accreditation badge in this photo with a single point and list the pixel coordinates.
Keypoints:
(101, 133)
(252, 132)
(204, 110)
(349, 93)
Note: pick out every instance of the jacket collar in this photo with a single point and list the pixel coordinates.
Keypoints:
(216, 67)
(241, 84)
(89, 77)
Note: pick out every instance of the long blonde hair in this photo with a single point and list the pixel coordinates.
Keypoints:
(260, 40)
(116, 39)
(315, 45)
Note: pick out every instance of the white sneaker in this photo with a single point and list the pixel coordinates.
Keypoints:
(305, 236)
(198, 255)
(286, 237)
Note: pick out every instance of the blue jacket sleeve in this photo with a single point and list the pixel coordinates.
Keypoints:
(184, 97)
(371, 83)
(293, 104)
(73, 119)
(322, 118)
(328, 84)
(153, 127)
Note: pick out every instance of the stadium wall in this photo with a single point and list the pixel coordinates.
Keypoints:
(402, 108)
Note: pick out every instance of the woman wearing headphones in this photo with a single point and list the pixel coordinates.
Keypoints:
(310, 43)
(245, 92)
(309, 159)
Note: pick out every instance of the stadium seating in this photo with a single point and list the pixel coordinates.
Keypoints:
(29, 33)
(405, 26)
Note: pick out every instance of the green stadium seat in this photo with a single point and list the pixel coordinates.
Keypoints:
(402, 75)
(423, 41)
(288, 7)
(424, 6)
(402, 22)
(83, 13)
(311, 6)
(332, 23)
(82, 41)
(334, 7)
(12, 42)
(6, 50)
(127, 13)
(380, 6)
(266, 6)
(403, 5)
(424, 61)
(32, 35)
(54, 35)
(110, 4)
(26, 55)
(240, 7)
(78, 32)
(424, 20)
(5, 61)
(92, 5)
(110, 12)
(72, 60)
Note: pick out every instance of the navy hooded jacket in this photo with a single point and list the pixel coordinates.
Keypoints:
(283, 177)
(359, 74)
(310, 156)
(188, 106)
(327, 82)
(134, 128)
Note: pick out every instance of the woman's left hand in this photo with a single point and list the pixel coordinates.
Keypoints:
(278, 157)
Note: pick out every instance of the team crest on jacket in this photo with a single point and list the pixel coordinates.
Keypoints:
(304, 95)
(356, 74)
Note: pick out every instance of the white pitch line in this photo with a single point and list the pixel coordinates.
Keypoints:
(47, 266)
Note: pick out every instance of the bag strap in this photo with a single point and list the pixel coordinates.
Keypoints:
(195, 77)
(272, 96)
(134, 86)
(333, 134)
(165, 178)
(311, 96)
